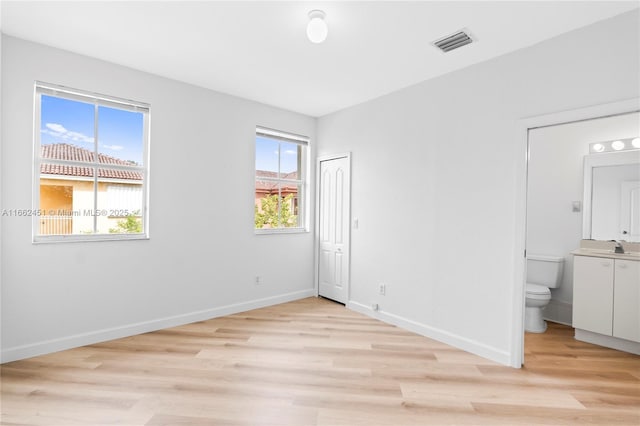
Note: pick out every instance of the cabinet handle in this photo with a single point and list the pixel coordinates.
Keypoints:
(622, 266)
(606, 264)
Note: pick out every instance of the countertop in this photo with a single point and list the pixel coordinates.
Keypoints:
(607, 253)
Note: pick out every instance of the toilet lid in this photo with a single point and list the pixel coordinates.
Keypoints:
(537, 289)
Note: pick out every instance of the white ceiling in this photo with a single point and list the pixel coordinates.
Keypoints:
(259, 51)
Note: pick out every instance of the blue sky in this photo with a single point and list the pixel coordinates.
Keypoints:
(72, 122)
(267, 155)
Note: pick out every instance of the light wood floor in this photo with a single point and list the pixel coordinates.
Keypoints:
(313, 362)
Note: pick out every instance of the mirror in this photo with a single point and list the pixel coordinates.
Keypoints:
(612, 196)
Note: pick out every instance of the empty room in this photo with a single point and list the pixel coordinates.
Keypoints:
(319, 213)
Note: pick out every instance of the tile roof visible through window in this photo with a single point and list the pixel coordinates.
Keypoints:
(63, 151)
(272, 187)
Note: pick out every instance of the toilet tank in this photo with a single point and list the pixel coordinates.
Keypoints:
(544, 270)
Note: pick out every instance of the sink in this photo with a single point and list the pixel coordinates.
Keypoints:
(627, 254)
(606, 253)
(597, 248)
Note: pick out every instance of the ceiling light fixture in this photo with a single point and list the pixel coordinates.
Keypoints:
(317, 29)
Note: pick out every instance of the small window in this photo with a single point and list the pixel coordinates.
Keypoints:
(280, 181)
(91, 167)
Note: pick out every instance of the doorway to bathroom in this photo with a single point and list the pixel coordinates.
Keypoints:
(554, 186)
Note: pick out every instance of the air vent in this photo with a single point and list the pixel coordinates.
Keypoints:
(448, 43)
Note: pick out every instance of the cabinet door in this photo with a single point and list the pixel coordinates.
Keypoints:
(626, 300)
(593, 294)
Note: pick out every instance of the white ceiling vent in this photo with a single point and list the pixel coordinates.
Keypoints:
(453, 41)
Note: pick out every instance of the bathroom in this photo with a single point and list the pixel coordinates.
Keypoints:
(555, 192)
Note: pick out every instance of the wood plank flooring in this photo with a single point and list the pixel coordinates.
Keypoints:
(313, 362)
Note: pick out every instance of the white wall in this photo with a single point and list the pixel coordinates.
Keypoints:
(555, 180)
(1, 186)
(433, 176)
(202, 256)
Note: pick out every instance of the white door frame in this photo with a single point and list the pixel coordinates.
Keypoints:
(522, 138)
(319, 160)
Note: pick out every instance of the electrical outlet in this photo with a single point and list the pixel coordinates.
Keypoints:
(374, 307)
(258, 280)
(382, 289)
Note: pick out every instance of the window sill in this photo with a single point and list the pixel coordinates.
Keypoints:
(48, 239)
(271, 231)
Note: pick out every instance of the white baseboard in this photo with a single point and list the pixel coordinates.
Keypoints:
(69, 342)
(459, 342)
(608, 341)
(558, 311)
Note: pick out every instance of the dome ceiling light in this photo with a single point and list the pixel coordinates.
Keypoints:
(317, 29)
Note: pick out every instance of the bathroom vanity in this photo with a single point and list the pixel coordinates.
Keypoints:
(606, 295)
(606, 279)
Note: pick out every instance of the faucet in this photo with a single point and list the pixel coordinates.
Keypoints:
(618, 248)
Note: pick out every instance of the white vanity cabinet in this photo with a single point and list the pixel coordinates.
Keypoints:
(626, 300)
(606, 296)
(593, 294)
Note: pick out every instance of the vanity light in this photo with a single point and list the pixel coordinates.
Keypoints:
(617, 145)
(317, 29)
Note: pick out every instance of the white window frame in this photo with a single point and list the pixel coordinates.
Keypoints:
(303, 197)
(41, 88)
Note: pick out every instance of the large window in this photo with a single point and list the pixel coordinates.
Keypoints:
(280, 189)
(91, 166)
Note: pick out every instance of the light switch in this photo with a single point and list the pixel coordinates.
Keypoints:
(576, 206)
(355, 223)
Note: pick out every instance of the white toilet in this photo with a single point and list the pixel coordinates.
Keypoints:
(543, 273)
